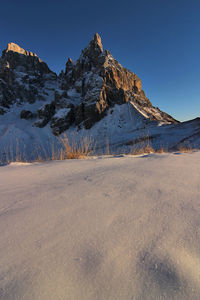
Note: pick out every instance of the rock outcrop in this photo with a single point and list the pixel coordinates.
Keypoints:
(26, 114)
(23, 76)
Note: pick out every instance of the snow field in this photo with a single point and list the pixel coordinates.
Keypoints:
(109, 228)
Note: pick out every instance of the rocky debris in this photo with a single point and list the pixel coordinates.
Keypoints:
(26, 114)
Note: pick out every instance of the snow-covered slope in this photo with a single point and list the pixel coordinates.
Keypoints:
(111, 228)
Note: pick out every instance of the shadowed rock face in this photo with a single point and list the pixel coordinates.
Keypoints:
(85, 92)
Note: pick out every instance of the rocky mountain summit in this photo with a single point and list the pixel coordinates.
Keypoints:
(81, 96)
(102, 82)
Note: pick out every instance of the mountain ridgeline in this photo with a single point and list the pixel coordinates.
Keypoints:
(89, 90)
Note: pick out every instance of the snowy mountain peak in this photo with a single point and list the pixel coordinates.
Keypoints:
(94, 90)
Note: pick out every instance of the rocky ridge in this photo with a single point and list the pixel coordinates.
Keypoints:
(88, 90)
(23, 78)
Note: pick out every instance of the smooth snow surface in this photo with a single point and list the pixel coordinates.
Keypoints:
(112, 228)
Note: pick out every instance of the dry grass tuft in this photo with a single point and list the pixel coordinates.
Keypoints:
(73, 150)
(145, 149)
(107, 146)
(162, 150)
(186, 148)
(63, 150)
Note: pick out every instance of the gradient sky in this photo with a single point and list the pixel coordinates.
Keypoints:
(159, 40)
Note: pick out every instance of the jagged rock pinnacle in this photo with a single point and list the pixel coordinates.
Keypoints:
(69, 62)
(94, 49)
(97, 41)
(16, 48)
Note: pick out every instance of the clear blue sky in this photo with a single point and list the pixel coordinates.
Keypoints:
(158, 40)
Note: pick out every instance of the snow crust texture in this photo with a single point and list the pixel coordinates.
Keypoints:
(111, 228)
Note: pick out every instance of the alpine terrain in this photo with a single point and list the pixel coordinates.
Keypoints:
(95, 97)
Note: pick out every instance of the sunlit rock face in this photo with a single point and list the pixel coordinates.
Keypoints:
(80, 96)
(15, 48)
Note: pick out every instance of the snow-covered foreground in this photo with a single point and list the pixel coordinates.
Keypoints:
(111, 228)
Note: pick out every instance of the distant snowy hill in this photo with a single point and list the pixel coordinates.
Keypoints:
(94, 97)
